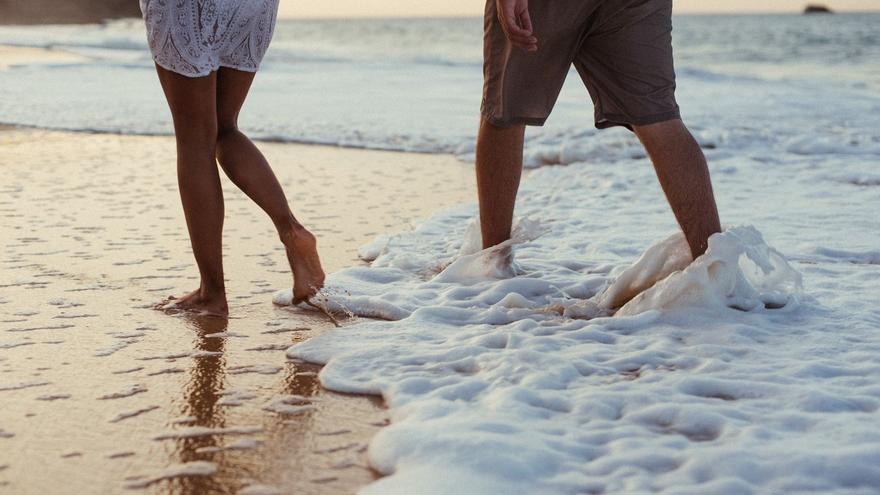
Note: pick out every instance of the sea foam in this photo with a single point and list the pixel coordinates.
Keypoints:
(598, 356)
(737, 271)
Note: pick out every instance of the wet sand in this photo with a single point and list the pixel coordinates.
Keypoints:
(102, 394)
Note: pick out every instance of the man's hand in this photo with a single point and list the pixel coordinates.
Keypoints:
(515, 21)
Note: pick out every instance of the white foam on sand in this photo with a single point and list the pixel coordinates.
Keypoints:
(260, 369)
(194, 468)
(133, 389)
(21, 385)
(130, 414)
(259, 490)
(582, 367)
(201, 431)
(235, 398)
(290, 405)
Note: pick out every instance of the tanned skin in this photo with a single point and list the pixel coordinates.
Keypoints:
(205, 113)
(678, 160)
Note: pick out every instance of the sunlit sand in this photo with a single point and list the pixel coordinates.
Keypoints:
(100, 392)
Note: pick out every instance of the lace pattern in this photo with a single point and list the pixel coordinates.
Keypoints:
(197, 37)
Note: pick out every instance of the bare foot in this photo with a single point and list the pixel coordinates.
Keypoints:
(197, 302)
(302, 253)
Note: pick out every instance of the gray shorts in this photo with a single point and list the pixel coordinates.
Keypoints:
(622, 50)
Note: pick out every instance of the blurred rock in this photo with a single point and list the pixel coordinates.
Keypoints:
(65, 11)
(815, 8)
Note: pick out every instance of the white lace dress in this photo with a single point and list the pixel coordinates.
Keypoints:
(196, 37)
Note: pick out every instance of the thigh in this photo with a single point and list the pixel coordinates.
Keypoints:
(192, 103)
(626, 62)
(232, 89)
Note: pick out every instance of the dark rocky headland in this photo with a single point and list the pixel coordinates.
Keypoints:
(65, 11)
(815, 8)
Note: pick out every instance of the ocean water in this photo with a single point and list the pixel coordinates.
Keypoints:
(751, 370)
(415, 84)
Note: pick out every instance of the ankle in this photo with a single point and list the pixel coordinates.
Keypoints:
(290, 229)
(209, 290)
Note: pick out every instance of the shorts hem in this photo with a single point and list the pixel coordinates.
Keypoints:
(512, 121)
(614, 120)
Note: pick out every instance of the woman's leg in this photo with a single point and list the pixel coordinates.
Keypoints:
(249, 170)
(193, 108)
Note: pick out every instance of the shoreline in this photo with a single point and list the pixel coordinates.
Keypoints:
(25, 127)
(106, 393)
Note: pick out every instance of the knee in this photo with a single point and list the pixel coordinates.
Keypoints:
(197, 139)
(226, 130)
(492, 135)
(667, 128)
(671, 133)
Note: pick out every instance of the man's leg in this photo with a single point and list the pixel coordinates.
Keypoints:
(684, 177)
(499, 168)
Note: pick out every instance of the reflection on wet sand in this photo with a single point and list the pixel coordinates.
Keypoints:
(201, 393)
(101, 393)
(206, 402)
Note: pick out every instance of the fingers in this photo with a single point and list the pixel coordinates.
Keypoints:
(518, 28)
(525, 20)
(521, 38)
(528, 44)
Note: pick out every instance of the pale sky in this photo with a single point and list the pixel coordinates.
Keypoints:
(416, 8)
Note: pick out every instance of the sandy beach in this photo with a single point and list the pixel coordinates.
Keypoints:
(102, 393)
